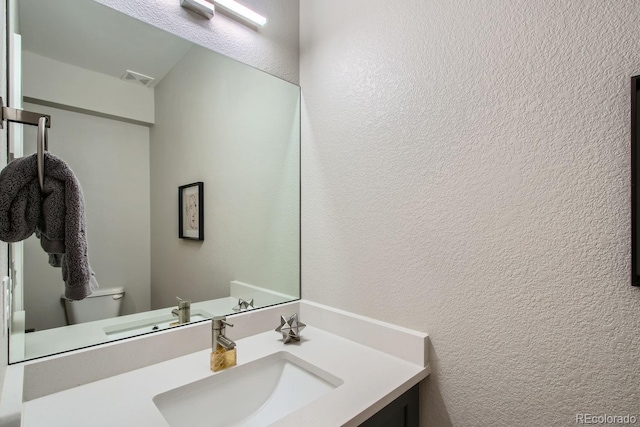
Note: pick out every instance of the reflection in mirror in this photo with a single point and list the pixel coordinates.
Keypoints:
(137, 113)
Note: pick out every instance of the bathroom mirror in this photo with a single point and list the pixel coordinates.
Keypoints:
(137, 113)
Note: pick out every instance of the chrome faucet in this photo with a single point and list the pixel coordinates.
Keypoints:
(218, 325)
(223, 350)
(183, 312)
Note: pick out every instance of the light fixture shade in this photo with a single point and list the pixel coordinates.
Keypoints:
(201, 7)
(241, 11)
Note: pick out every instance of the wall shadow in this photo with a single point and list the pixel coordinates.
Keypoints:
(433, 410)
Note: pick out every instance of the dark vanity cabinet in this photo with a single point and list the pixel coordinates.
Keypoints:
(402, 412)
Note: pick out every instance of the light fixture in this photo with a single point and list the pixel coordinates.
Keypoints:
(241, 11)
(201, 7)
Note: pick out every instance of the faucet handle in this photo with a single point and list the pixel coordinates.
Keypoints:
(183, 303)
(219, 322)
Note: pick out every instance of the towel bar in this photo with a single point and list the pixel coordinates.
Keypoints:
(20, 116)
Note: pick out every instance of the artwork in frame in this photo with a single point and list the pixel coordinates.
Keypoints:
(191, 211)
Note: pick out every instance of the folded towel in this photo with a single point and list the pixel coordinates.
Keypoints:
(57, 214)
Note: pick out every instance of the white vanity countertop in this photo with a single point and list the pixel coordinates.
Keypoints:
(371, 378)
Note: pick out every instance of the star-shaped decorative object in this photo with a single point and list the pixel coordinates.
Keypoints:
(290, 328)
(244, 305)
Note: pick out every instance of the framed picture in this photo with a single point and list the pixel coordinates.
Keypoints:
(191, 211)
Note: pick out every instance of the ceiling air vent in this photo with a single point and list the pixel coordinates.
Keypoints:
(137, 78)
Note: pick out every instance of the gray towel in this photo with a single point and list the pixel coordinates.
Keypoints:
(57, 215)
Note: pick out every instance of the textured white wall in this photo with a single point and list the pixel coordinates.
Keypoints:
(273, 48)
(466, 173)
(236, 129)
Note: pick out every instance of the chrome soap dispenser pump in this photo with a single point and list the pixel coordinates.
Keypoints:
(223, 350)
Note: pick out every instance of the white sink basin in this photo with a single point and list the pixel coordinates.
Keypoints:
(150, 324)
(251, 395)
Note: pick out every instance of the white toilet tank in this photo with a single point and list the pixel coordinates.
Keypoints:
(103, 303)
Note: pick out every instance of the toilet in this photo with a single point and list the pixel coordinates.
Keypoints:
(103, 303)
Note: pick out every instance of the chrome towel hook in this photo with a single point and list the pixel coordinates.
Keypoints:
(43, 121)
(42, 146)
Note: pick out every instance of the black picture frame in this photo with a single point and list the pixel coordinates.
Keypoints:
(635, 171)
(191, 211)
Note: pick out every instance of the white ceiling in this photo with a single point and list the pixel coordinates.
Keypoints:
(96, 37)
